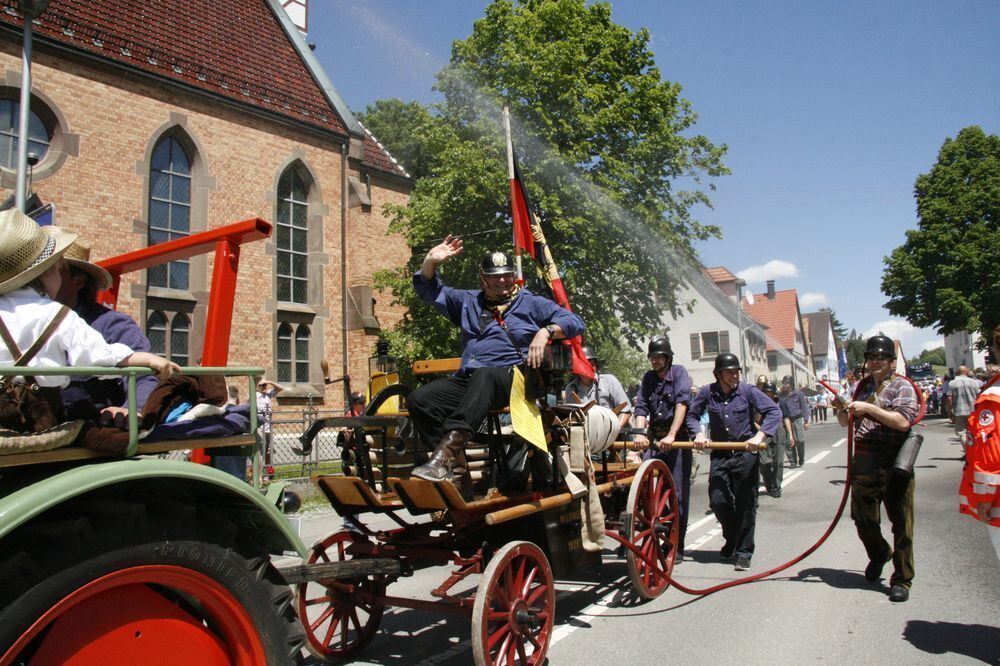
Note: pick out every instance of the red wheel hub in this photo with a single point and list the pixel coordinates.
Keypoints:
(122, 618)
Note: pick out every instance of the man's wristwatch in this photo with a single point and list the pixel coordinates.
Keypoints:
(551, 328)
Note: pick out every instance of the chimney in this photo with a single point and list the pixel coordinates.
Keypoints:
(770, 290)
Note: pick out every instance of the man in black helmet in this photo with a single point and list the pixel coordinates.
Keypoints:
(502, 326)
(735, 475)
(661, 404)
(772, 458)
(795, 408)
(884, 407)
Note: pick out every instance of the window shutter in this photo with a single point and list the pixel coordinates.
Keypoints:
(724, 342)
(695, 346)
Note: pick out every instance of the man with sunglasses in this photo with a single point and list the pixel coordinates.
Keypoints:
(884, 408)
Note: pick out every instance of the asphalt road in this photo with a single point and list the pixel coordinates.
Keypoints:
(821, 609)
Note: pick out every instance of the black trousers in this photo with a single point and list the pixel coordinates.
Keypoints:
(732, 493)
(458, 403)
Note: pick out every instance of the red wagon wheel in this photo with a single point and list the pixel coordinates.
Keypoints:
(515, 607)
(340, 617)
(653, 529)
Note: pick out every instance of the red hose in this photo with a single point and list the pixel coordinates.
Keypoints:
(829, 530)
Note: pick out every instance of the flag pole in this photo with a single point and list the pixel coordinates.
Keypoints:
(510, 179)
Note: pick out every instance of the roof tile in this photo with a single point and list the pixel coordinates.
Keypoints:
(234, 49)
(778, 315)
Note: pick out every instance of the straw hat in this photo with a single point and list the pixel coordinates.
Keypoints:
(27, 250)
(78, 256)
(55, 437)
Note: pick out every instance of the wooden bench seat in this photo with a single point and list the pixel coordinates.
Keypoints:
(73, 453)
(351, 495)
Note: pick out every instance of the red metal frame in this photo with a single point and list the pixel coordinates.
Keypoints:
(226, 242)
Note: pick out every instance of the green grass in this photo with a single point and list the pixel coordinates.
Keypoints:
(295, 471)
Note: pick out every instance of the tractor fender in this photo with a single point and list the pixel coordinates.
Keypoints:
(257, 512)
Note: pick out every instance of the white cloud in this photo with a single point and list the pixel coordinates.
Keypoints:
(772, 270)
(894, 328)
(932, 344)
(812, 299)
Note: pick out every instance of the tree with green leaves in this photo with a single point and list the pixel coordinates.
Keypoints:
(933, 356)
(603, 143)
(945, 275)
(854, 346)
(838, 326)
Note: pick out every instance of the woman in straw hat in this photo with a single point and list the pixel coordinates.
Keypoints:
(30, 262)
(81, 281)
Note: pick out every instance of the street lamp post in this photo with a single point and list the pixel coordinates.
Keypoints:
(739, 319)
(30, 10)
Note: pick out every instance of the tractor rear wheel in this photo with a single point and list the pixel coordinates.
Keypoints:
(184, 600)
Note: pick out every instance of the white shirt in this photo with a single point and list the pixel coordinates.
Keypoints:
(26, 314)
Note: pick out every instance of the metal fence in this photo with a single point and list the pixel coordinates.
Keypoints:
(286, 428)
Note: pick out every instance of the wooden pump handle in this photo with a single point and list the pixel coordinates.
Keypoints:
(686, 446)
(528, 508)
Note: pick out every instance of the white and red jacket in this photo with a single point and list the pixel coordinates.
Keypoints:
(980, 489)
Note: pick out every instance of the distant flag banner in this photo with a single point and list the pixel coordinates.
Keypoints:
(842, 361)
(529, 238)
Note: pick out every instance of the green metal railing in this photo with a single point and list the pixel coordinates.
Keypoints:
(252, 375)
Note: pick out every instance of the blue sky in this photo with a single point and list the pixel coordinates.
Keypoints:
(830, 111)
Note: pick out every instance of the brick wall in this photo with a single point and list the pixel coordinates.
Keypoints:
(100, 192)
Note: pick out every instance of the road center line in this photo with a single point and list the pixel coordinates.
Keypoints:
(819, 456)
(602, 606)
(839, 442)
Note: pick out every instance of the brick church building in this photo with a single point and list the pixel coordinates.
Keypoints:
(158, 118)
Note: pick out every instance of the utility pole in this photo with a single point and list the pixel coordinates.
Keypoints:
(739, 318)
(30, 10)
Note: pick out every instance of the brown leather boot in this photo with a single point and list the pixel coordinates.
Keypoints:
(448, 462)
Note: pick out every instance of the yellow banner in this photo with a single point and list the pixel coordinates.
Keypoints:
(524, 414)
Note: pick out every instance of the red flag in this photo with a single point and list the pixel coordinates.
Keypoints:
(528, 236)
(520, 211)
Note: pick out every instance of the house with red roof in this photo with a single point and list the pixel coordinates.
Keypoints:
(152, 120)
(710, 323)
(823, 344)
(787, 345)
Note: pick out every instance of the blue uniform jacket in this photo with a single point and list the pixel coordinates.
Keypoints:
(114, 327)
(657, 397)
(484, 343)
(730, 417)
(794, 404)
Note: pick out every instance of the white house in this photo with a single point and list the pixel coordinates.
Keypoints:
(960, 349)
(711, 326)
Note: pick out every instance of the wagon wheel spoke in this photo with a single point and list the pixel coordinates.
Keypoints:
(529, 581)
(506, 586)
(319, 600)
(323, 617)
(330, 631)
(661, 504)
(502, 630)
(521, 653)
(344, 629)
(503, 648)
(512, 650)
(535, 595)
(493, 616)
